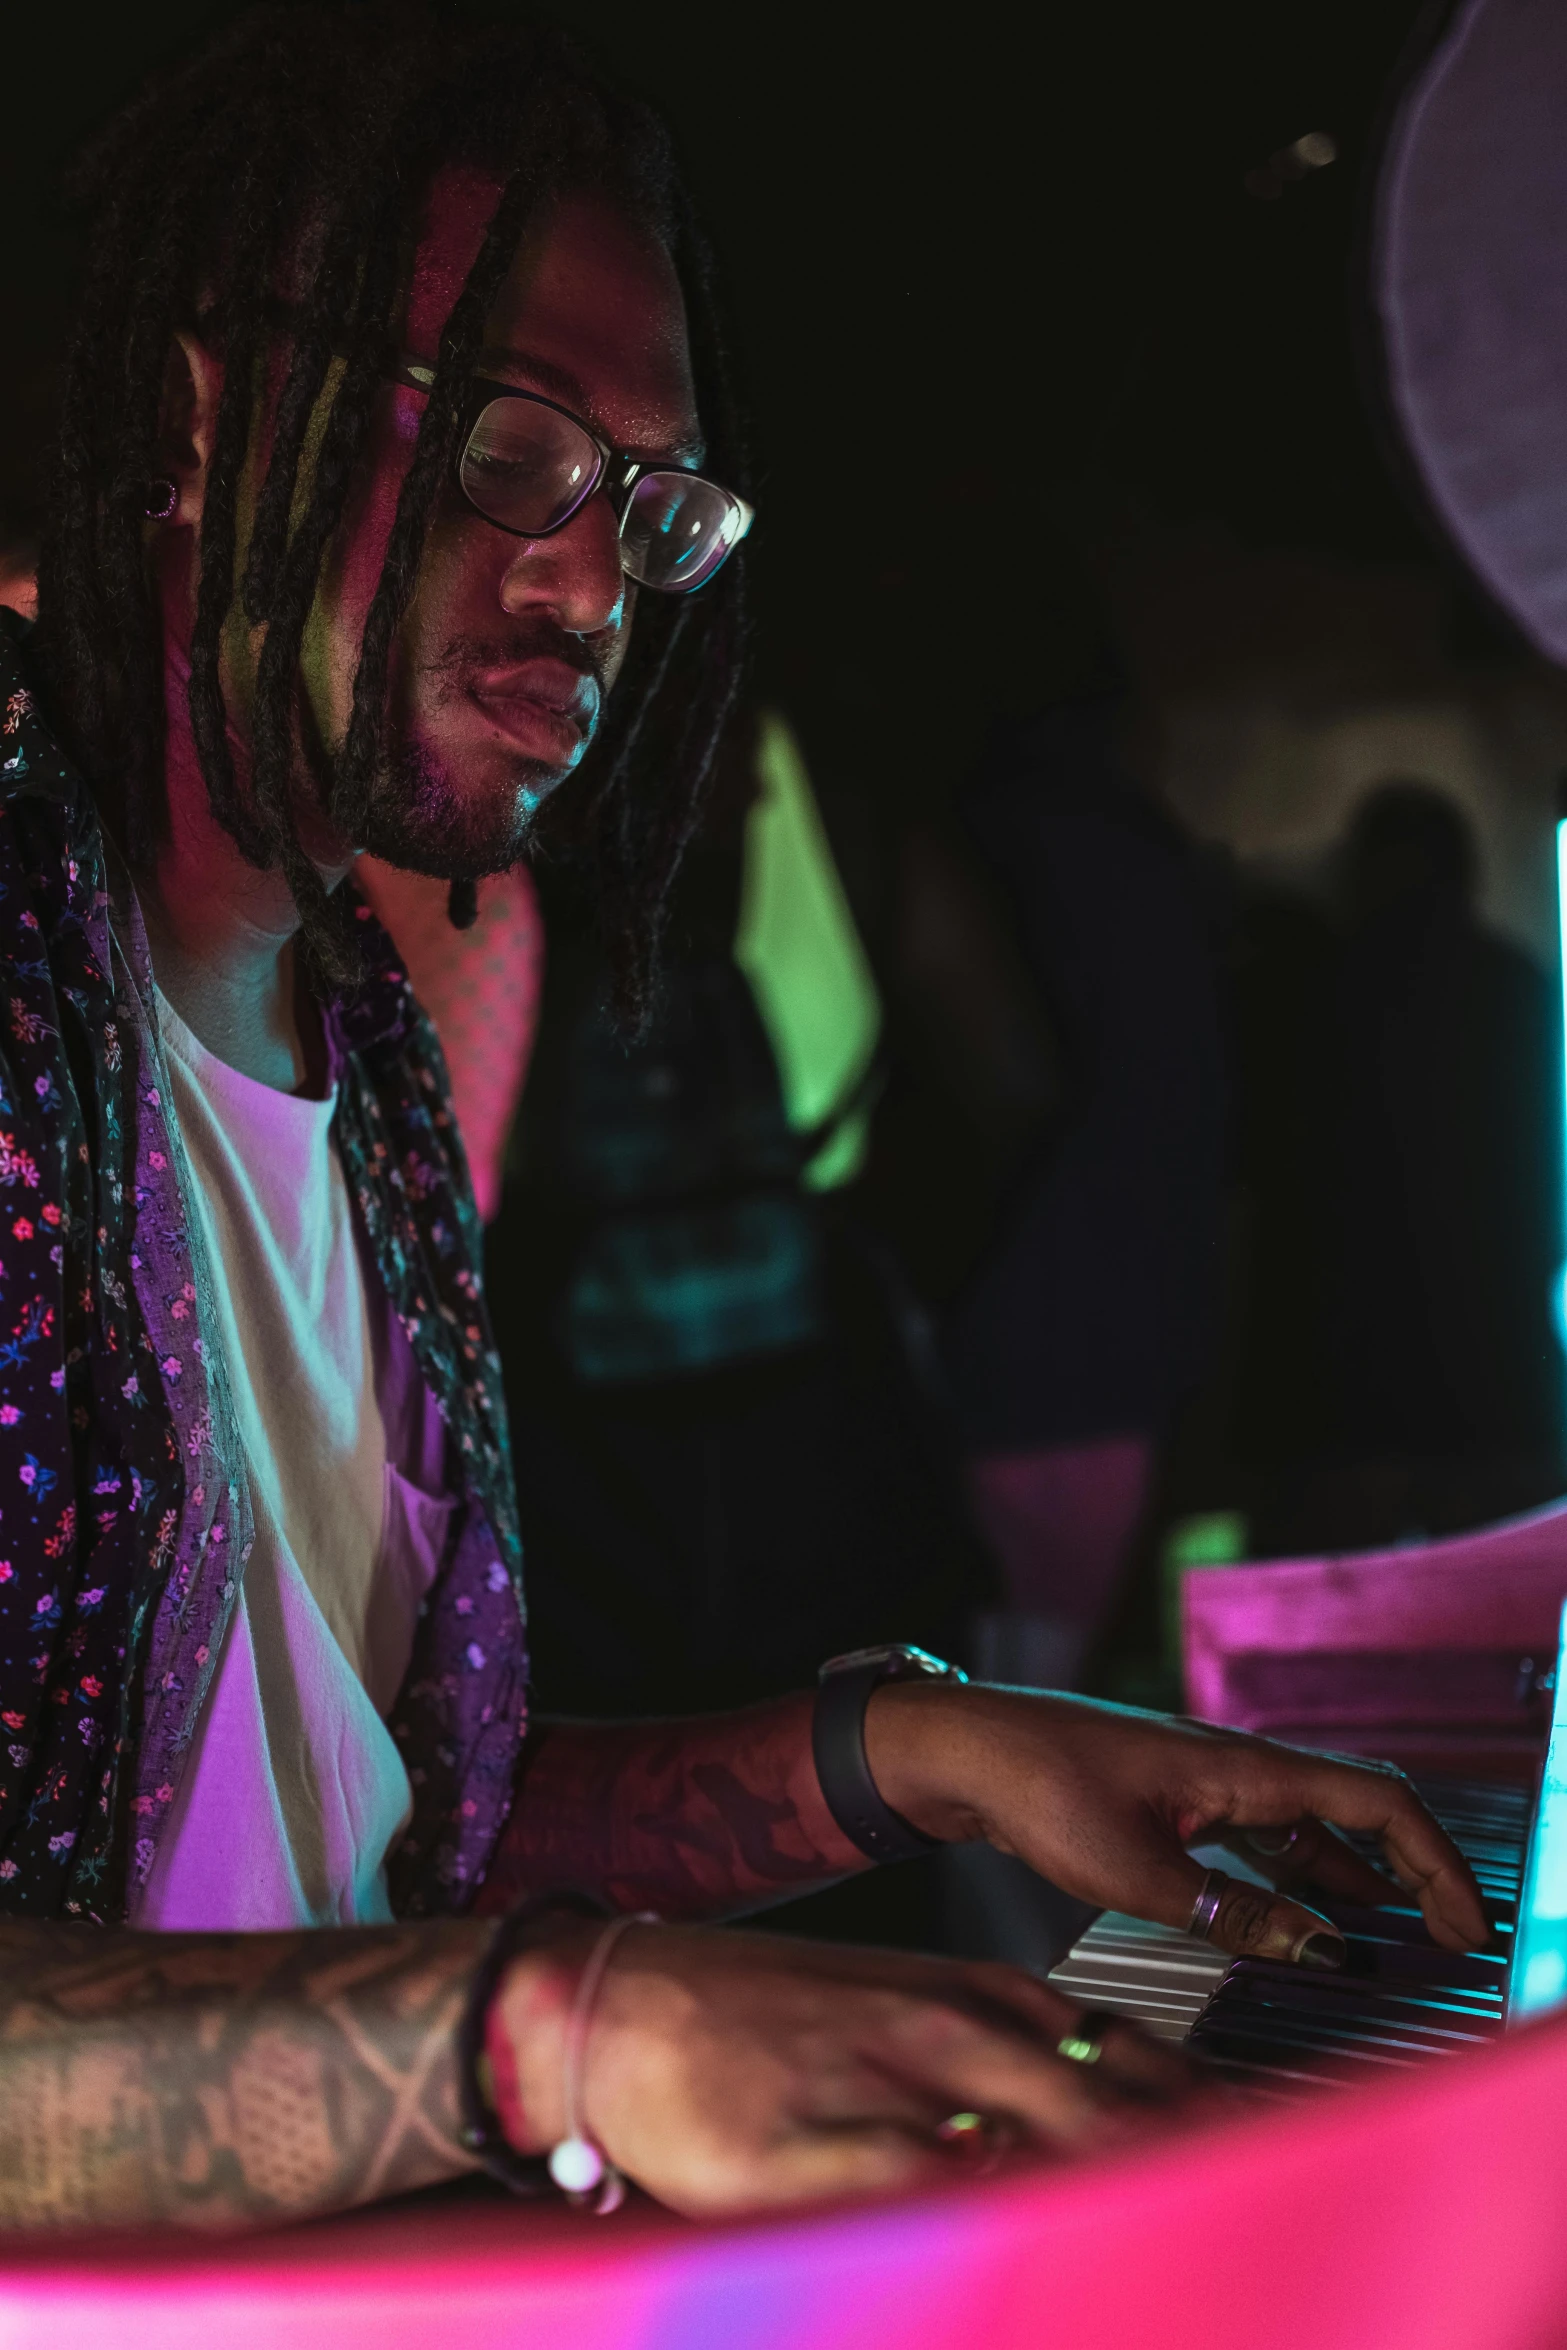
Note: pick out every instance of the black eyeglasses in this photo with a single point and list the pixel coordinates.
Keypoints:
(528, 466)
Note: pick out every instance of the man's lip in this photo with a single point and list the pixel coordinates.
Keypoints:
(551, 684)
(557, 738)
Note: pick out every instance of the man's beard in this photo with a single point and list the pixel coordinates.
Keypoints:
(416, 816)
(417, 813)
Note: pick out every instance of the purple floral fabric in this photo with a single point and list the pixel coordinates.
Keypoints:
(124, 1521)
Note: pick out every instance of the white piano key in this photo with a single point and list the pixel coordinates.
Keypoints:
(1161, 1978)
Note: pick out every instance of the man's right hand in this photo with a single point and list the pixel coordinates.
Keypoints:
(736, 2072)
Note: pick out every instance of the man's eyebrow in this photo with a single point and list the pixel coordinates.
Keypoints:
(558, 383)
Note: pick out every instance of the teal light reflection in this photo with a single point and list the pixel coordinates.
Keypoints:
(1539, 1970)
(1559, 1290)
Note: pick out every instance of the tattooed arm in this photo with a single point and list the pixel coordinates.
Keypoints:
(223, 2081)
(693, 1819)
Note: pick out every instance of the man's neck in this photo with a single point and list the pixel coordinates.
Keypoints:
(232, 983)
(222, 934)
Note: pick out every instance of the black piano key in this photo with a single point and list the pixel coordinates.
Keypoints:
(1303, 2055)
(1276, 2021)
(1380, 1958)
(1441, 2010)
(1283, 2026)
(1402, 1929)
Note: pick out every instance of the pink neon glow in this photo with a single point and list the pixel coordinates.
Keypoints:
(1272, 1646)
(1429, 2211)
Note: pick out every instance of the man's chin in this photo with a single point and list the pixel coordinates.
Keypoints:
(422, 821)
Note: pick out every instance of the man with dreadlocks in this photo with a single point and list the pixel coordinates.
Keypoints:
(396, 398)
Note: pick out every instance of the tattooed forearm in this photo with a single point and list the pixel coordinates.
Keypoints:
(689, 1818)
(222, 2081)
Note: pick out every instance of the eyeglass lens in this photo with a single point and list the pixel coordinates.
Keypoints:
(529, 468)
(677, 530)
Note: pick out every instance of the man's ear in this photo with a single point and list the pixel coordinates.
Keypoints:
(188, 423)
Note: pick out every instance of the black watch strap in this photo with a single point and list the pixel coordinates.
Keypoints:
(838, 1748)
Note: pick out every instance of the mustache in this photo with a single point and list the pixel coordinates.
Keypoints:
(530, 641)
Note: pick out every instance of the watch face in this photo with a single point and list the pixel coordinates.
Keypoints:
(897, 1660)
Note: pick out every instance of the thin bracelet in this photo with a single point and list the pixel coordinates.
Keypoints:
(482, 2134)
(582, 2170)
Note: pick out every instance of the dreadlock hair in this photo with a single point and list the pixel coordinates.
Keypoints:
(267, 193)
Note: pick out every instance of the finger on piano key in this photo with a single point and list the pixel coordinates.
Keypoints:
(1318, 1859)
(1273, 2032)
(1253, 1920)
(1378, 1800)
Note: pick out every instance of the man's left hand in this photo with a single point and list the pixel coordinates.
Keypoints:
(1105, 1802)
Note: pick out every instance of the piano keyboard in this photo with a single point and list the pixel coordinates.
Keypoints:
(1280, 2029)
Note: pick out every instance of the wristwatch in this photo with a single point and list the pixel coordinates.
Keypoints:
(843, 1691)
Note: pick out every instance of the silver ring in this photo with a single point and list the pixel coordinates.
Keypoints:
(1206, 1906)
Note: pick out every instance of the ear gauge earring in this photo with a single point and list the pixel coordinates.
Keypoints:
(462, 904)
(162, 498)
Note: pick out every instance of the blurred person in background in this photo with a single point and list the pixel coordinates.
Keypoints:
(1090, 1316)
(1061, 966)
(1450, 1156)
(1399, 1369)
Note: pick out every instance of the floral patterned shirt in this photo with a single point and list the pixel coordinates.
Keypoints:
(124, 1518)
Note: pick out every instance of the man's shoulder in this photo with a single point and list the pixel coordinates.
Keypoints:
(48, 821)
(53, 891)
(33, 766)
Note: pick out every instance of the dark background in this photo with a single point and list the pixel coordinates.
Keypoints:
(1000, 290)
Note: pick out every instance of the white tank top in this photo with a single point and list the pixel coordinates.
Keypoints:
(294, 1792)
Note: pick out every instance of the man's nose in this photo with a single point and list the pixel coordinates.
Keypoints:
(575, 576)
